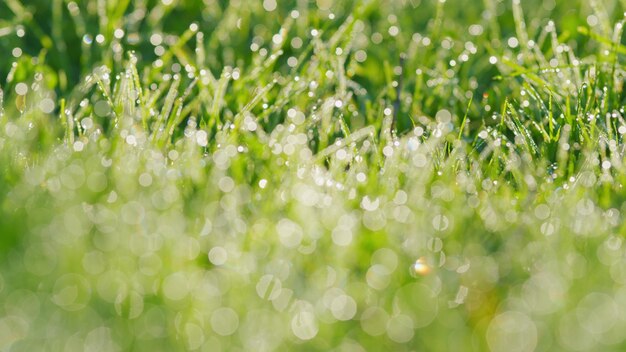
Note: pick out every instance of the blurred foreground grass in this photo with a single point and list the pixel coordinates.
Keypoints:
(312, 175)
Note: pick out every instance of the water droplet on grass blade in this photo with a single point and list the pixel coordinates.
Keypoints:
(343, 307)
(71, 292)
(218, 255)
(374, 321)
(420, 268)
(304, 325)
(512, 331)
(224, 321)
(195, 336)
(268, 287)
(400, 328)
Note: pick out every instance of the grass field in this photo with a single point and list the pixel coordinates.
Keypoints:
(401, 175)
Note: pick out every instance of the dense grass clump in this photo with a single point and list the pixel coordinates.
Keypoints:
(312, 175)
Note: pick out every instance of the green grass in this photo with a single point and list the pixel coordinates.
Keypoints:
(302, 175)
